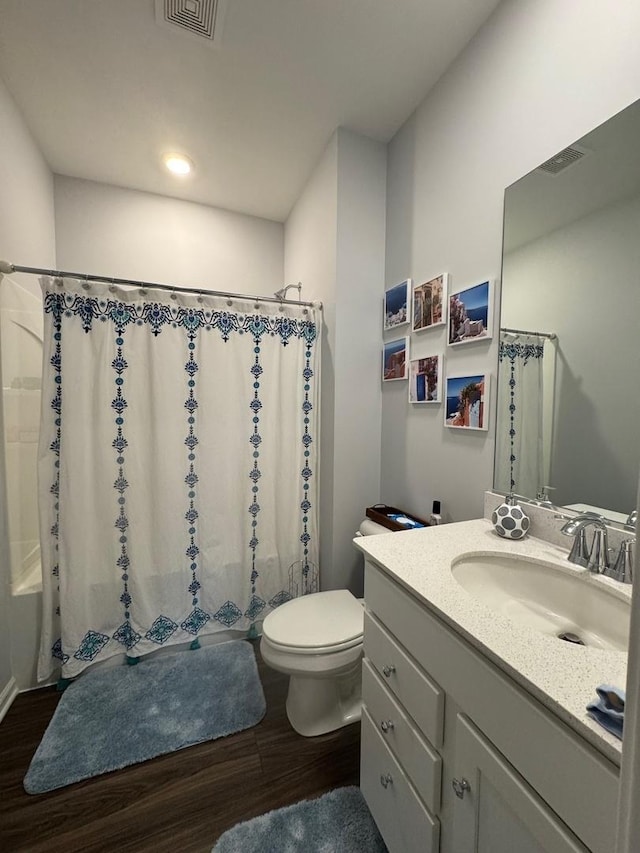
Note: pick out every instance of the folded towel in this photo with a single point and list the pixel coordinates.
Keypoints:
(609, 709)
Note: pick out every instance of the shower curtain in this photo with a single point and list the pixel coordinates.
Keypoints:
(519, 448)
(178, 483)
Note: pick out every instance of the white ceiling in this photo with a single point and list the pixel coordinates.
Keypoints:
(105, 90)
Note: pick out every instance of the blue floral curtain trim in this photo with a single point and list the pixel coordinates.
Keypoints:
(156, 315)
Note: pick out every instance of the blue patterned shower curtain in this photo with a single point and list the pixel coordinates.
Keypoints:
(178, 480)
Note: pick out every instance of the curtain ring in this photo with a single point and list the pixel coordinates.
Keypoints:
(85, 285)
(305, 310)
(230, 302)
(143, 291)
(112, 288)
(281, 307)
(257, 305)
(200, 296)
(58, 281)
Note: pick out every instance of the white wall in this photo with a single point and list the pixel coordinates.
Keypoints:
(27, 237)
(334, 244)
(580, 278)
(539, 75)
(129, 234)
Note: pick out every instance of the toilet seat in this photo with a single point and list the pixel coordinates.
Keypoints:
(321, 623)
(316, 650)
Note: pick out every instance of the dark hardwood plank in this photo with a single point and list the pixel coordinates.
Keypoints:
(182, 801)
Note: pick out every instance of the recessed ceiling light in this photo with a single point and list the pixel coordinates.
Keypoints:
(178, 164)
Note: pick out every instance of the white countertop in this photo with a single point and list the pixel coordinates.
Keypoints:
(561, 675)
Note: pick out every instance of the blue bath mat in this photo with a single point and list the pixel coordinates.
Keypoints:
(111, 718)
(338, 822)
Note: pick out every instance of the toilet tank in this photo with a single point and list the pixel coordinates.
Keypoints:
(383, 519)
(370, 528)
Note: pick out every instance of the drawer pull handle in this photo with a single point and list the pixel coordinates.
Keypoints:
(388, 670)
(386, 780)
(460, 786)
(386, 726)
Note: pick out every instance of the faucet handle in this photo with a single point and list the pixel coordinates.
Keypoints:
(622, 570)
(599, 555)
(630, 523)
(579, 554)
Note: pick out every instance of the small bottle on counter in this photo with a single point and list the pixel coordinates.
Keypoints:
(435, 517)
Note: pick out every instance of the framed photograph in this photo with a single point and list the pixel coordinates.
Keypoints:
(394, 359)
(397, 305)
(425, 379)
(429, 303)
(467, 401)
(470, 312)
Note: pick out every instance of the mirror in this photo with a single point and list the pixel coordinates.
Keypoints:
(568, 399)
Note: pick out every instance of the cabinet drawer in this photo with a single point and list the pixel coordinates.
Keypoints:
(403, 821)
(401, 614)
(419, 761)
(422, 698)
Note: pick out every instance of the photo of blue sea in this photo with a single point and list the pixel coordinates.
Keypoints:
(454, 387)
(476, 302)
(396, 298)
(393, 347)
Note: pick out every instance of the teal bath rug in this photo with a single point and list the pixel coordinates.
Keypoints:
(111, 718)
(338, 822)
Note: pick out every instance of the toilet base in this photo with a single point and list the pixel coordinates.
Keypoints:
(316, 706)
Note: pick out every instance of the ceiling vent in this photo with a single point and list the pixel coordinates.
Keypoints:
(199, 18)
(560, 162)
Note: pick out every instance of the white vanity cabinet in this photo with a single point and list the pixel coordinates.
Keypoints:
(456, 756)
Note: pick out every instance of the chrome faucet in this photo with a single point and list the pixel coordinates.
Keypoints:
(596, 557)
(632, 518)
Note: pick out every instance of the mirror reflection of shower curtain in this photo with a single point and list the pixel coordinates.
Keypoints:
(522, 459)
(178, 468)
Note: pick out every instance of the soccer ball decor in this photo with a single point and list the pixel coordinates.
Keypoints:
(509, 520)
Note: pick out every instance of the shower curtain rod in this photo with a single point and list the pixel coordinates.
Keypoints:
(551, 335)
(7, 268)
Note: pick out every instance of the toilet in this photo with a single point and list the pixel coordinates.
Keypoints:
(317, 641)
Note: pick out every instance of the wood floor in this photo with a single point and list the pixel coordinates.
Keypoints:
(180, 802)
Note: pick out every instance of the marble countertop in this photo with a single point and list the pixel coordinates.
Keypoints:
(561, 675)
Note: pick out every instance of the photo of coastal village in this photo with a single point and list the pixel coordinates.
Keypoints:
(396, 305)
(424, 380)
(394, 360)
(466, 402)
(469, 314)
(428, 303)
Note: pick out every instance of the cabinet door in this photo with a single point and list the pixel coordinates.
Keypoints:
(495, 810)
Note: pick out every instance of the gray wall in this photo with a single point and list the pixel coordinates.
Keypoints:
(130, 234)
(334, 242)
(26, 237)
(539, 75)
(310, 247)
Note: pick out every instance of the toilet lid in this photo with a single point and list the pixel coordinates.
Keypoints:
(322, 619)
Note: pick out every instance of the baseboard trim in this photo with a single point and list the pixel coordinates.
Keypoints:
(7, 696)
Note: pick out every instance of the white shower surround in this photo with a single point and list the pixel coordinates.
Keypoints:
(186, 499)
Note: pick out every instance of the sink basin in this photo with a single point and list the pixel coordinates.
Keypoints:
(572, 606)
